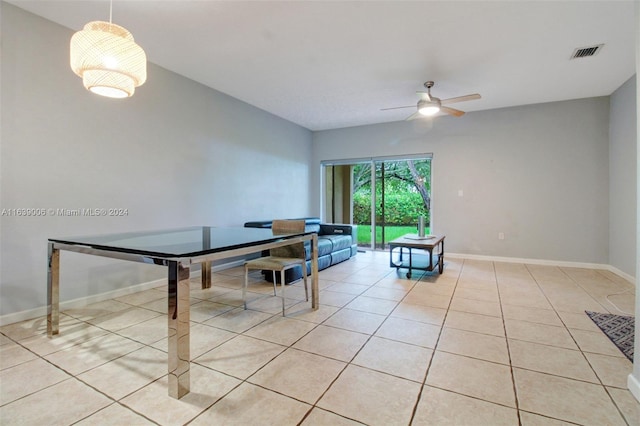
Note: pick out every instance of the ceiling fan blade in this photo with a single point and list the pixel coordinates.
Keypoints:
(452, 111)
(386, 109)
(424, 95)
(460, 99)
(414, 116)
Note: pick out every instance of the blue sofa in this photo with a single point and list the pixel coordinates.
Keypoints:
(336, 243)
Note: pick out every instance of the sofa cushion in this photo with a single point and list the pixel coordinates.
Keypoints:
(338, 242)
(323, 263)
(258, 224)
(325, 246)
(310, 222)
(340, 255)
(313, 227)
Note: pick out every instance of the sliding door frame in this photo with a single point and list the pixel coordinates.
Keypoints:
(372, 161)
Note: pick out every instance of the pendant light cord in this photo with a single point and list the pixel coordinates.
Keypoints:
(110, 11)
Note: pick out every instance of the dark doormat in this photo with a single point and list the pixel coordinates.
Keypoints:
(619, 329)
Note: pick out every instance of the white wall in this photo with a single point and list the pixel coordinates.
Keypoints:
(538, 173)
(622, 183)
(175, 154)
(634, 378)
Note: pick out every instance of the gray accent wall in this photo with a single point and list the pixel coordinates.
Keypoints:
(537, 173)
(175, 154)
(623, 178)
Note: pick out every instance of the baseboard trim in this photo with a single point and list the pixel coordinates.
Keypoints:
(84, 301)
(79, 302)
(634, 385)
(545, 262)
(624, 275)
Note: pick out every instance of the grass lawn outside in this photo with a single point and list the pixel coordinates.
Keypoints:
(390, 232)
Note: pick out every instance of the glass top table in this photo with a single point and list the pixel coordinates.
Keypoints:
(177, 249)
(180, 242)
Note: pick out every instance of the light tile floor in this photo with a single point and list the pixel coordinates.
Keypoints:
(484, 343)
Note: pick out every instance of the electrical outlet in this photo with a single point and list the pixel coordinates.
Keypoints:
(501, 235)
(460, 193)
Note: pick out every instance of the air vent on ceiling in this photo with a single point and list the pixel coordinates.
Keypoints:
(584, 52)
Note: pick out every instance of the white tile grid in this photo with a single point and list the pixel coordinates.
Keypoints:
(471, 345)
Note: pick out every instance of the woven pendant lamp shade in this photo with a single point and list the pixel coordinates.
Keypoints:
(108, 60)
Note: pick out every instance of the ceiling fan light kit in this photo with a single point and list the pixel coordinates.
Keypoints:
(429, 105)
(108, 60)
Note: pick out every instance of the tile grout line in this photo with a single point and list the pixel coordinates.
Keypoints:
(577, 283)
(606, 297)
(435, 346)
(114, 333)
(370, 336)
(583, 353)
(75, 377)
(313, 405)
(237, 334)
(506, 339)
(347, 364)
(575, 341)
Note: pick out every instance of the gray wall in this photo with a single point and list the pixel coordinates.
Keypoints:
(538, 173)
(622, 173)
(176, 154)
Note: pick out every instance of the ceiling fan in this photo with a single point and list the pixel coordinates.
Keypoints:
(429, 105)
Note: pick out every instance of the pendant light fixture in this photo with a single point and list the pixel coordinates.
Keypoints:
(107, 58)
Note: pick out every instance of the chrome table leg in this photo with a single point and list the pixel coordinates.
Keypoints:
(205, 274)
(178, 317)
(315, 297)
(53, 291)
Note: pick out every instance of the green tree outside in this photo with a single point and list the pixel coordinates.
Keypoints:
(407, 195)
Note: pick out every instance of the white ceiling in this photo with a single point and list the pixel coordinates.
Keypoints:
(332, 64)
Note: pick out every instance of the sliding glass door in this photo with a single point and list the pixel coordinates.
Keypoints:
(383, 196)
